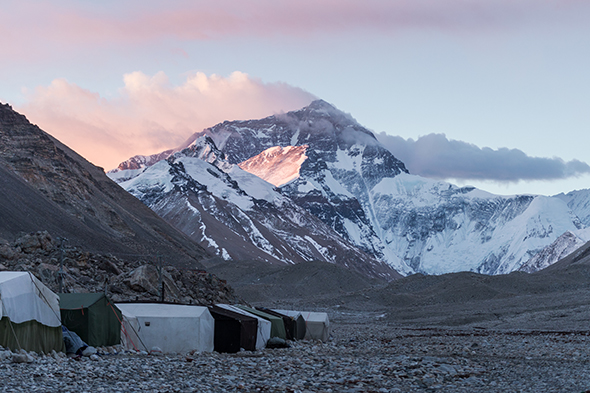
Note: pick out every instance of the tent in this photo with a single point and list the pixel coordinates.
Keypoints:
(277, 326)
(170, 327)
(29, 314)
(92, 316)
(294, 324)
(233, 330)
(264, 326)
(317, 324)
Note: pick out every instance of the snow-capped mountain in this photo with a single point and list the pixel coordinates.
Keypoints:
(579, 202)
(341, 174)
(559, 249)
(237, 215)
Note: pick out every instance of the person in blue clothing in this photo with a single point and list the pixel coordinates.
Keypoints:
(75, 345)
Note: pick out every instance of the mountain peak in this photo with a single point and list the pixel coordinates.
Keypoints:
(321, 104)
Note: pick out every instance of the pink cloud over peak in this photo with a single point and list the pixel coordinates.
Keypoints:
(150, 114)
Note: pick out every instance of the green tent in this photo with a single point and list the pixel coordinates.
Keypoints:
(277, 327)
(92, 316)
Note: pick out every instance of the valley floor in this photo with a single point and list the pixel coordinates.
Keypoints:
(365, 354)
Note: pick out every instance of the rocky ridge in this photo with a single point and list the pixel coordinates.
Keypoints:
(123, 280)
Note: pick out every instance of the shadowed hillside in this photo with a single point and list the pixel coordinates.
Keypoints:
(44, 185)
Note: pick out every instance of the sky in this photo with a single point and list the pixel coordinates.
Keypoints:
(489, 93)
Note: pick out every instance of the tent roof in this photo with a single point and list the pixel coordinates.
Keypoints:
(7, 276)
(71, 301)
(315, 316)
(156, 310)
(260, 313)
(230, 313)
(24, 298)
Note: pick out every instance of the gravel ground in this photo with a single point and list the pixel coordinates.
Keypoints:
(362, 356)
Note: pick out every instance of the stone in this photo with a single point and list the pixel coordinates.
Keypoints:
(156, 351)
(22, 358)
(89, 351)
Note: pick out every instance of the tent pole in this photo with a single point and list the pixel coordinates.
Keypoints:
(60, 273)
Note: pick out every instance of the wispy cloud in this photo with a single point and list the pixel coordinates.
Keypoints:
(437, 157)
(30, 25)
(150, 114)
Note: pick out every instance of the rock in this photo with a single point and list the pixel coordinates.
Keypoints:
(5, 355)
(6, 250)
(28, 243)
(156, 351)
(277, 342)
(22, 358)
(89, 351)
(144, 279)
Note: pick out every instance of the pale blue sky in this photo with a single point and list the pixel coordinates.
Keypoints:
(496, 74)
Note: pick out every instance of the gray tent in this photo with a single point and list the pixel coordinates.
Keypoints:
(317, 324)
(294, 324)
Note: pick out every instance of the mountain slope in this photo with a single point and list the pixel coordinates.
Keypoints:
(277, 165)
(47, 186)
(565, 245)
(358, 188)
(579, 202)
(237, 215)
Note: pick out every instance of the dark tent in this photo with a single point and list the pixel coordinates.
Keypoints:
(92, 316)
(233, 330)
(277, 328)
(294, 325)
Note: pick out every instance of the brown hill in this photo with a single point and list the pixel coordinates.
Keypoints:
(44, 185)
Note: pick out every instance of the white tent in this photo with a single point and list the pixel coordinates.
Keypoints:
(317, 324)
(263, 332)
(170, 327)
(29, 314)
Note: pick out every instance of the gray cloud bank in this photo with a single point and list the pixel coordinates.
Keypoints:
(437, 157)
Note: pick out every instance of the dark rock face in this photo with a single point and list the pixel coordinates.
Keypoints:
(46, 186)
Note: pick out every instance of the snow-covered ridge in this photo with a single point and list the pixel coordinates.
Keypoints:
(356, 187)
(237, 215)
(563, 246)
(579, 202)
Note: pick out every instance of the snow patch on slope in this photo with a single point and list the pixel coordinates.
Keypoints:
(277, 165)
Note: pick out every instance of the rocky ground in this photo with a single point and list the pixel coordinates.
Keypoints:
(365, 354)
(453, 333)
(135, 278)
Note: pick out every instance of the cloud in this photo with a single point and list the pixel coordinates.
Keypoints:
(30, 25)
(150, 114)
(437, 157)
